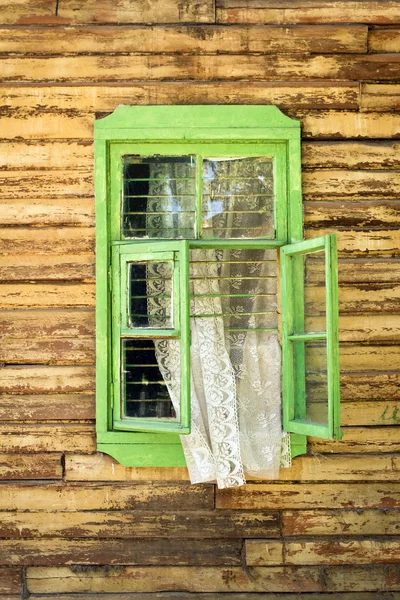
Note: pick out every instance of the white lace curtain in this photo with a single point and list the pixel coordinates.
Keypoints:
(235, 372)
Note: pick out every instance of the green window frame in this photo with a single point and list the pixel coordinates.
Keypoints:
(200, 131)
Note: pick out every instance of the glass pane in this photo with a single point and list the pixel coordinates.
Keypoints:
(150, 294)
(239, 286)
(315, 385)
(159, 197)
(312, 265)
(238, 198)
(145, 392)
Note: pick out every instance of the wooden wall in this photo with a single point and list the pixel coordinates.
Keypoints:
(75, 522)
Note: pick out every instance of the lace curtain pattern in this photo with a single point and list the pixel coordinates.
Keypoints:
(235, 364)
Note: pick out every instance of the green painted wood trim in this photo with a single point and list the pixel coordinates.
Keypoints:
(174, 118)
(293, 339)
(145, 455)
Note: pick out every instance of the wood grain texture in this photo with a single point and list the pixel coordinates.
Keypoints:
(343, 523)
(21, 156)
(51, 240)
(355, 242)
(47, 295)
(10, 581)
(331, 183)
(47, 323)
(99, 467)
(266, 496)
(200, 39)
(49, 351)
(362, 213)
(41, 12)
(210, 579)
(47, 438)
(351, 155)
(146, 496)
(147, 579)
(384, 40)
(380, 97)
(361, 439)
(47, 212)
(119, 552)
(42, 380)
(47, 407)
(332, 552)
(377, 595)
(104, 68)
(141, 524)
(42, 184)
(30, 466)
(306, 11)
(27, 267)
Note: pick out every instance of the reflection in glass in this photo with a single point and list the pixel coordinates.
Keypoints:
(144, 389)
(159, 197)
(238, 198)
(150, 294)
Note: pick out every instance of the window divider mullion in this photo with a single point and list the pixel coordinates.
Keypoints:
(199, 196)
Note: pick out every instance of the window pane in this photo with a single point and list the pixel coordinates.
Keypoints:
(237, 285)
(315, 381)
(145, 391)
(150, 294)
(159, 197)
(309, 292)
(238, 198)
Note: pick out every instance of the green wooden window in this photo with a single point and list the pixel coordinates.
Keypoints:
(192, 189)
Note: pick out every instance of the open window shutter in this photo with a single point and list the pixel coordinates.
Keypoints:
(310, 346)
(150, 306)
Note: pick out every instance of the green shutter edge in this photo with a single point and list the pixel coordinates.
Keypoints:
(178, 124)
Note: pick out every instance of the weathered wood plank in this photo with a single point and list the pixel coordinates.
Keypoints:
(47, 438)
(140, 524)
(303, 11)
(371, 243)
(45, 212)
(339, 125)
(51, 240)
(169, 579)
(384, 412)
(384, 40)
(73, 101)
(47, 407)
(42, 380)
(25, 267)
(360, 297)
(34, 466)
(366, 358)
(41, 12)
(324, 124)
(84, 68)
(42, 184)
(369, 386)
(367, 328)
(204, 39)
(332, 552)
(228, 596)
(380, 97)
(120, 552)
(154, 496)
(342, 213)
(327, 183)
(15, 156)
(212, 579)
(351, 155)
(41, 350)
(10, 580)
(360, 439)
(99, 467)
(47, 323)
(343, 523)
(47, 295)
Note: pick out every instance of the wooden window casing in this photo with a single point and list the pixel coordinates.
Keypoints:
(199, 131)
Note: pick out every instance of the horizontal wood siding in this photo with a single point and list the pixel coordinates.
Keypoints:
(74, 522)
